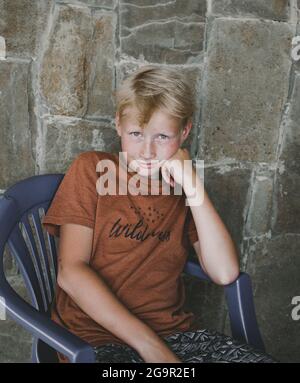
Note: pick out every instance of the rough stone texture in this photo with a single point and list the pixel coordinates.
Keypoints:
(76, 77)
(274, 265)
(15, 341)
(297, 63)
(16, 350)
(286, 217)
(246, 85)
(66, 140)
(10, 264)
(137, 12)
(228, 190)
(207, 301)
(101, 79)
(169, 33)
(15, 131)
(286, 214)
(274, 10)
(22, 23)
(110, 4)
(261, 201)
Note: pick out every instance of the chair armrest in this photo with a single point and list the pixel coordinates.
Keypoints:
(240, 302)
(42, 327)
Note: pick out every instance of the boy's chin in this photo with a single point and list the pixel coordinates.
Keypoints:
(151, 173)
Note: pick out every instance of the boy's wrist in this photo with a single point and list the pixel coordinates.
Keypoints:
(192, 185)
(148, 341)
(157, 352)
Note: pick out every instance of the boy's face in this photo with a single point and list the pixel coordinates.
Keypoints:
(149, 147)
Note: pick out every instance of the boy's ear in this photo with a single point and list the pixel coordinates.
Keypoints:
(186, 131)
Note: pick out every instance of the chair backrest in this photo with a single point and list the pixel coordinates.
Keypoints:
(23, 207)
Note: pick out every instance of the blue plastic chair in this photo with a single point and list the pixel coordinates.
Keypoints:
(21, 210)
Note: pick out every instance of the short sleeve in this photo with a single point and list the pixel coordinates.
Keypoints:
(75, 200)
(191, 230)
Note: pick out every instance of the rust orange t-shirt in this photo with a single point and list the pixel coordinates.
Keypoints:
(140, 246)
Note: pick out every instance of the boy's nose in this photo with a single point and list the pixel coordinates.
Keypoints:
(148, 151)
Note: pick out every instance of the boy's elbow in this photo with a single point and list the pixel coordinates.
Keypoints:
(60, 280)
(68, 276)
(63, 279)
(226, 279)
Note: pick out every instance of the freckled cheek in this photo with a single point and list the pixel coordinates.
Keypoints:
(170, 149)
(127, 146)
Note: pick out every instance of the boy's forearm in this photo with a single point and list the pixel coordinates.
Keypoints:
(218, 251)
(96, 299)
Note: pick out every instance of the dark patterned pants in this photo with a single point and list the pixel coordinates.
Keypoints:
(200, 346)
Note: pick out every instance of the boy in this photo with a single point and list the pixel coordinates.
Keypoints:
(121, 256)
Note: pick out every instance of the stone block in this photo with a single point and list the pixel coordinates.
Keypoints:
(286, 209)
(274, 265)
(109, 4)
(167, 33)
(16, 157)
(22, 24)
(259, 214)
(64, 141)
(245, 88)
(207, 301)
(77, 74)
(227, 189)
(15, 341)
(275, 10)
(290, 152)
(297, 62)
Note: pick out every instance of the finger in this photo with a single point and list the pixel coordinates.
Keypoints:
(171, 178)
(166, 175)
(163, 172)
(172, 181)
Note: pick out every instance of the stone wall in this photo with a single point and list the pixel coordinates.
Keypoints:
(64, 59)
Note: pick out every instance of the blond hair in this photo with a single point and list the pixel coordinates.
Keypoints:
(152, 88)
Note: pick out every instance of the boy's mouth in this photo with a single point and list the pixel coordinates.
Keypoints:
(148, 165)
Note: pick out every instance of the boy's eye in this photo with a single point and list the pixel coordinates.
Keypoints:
(163, 136)
(135, 134)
